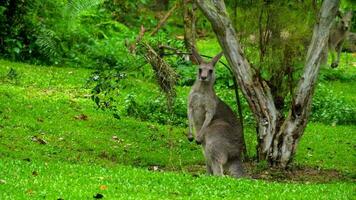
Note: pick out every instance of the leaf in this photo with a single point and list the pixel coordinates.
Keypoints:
(81, 117)
(29, 191)
(39, 140)
(116, 116)
(16, 50)
(103, 187)
(96, 100)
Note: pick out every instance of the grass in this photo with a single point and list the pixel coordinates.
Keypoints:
(328, 147)
(87, 151)
(54, 180)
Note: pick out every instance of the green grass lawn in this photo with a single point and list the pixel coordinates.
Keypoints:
(60, 179)
(55, 144)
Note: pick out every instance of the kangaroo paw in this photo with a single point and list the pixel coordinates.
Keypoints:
(199, 138)
(190, 137)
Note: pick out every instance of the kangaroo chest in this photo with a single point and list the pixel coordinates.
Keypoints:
(199, 105)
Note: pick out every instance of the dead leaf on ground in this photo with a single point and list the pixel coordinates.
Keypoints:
(29, 191)
(103, 187)
(81, 117)
(39, 140)
(2, 181)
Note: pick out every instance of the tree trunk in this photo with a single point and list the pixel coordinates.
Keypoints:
(189, 26)
(277, 139)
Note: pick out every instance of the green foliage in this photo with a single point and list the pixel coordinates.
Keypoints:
(105, 88)
(12, 77)
(16, 29)
(343, 74)
(130, 12)
(328, 107)
(83, 154)
(76, 33)
(155, 110)
(274, 36)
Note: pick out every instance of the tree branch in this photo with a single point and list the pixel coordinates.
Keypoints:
(164, 19)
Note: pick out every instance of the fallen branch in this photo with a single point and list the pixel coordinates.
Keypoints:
(132, 47)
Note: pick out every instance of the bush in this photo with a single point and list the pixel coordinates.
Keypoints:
(328, 107)
(17, 29)
(74, 33)
(156, 110)
(337, 74)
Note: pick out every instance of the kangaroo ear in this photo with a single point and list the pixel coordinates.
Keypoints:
(216, 58)
(196, 55)
(339, 14)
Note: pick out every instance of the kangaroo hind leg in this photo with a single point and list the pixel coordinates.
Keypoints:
(235, 168)
(217, 169)
(217, 164)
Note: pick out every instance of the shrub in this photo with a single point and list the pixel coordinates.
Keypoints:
(329, 107)
(155, 110)
(75, 33)
(337, 74)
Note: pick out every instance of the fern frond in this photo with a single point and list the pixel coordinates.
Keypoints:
(76, 7)
(47, 41)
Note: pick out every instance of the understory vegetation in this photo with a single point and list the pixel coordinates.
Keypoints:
(83, 114)
(55, 143)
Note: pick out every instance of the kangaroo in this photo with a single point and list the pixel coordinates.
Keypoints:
(216, 125)
(338, 33)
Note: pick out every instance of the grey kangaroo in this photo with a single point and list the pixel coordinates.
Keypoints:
(338, 33)
(216, 125)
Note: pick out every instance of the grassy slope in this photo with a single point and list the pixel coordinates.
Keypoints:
(80, 155)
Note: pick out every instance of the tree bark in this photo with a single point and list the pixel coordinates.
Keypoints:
(277, 139)
(189, 21)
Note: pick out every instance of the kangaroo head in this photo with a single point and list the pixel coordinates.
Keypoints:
(345, 20)
(206, 70)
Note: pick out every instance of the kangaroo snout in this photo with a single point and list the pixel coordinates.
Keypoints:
(203, 78)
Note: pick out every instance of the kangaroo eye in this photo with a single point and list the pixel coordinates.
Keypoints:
(210, 71)
(200, 70)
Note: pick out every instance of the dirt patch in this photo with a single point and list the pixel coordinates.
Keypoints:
(302, 174)
(296, 174)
